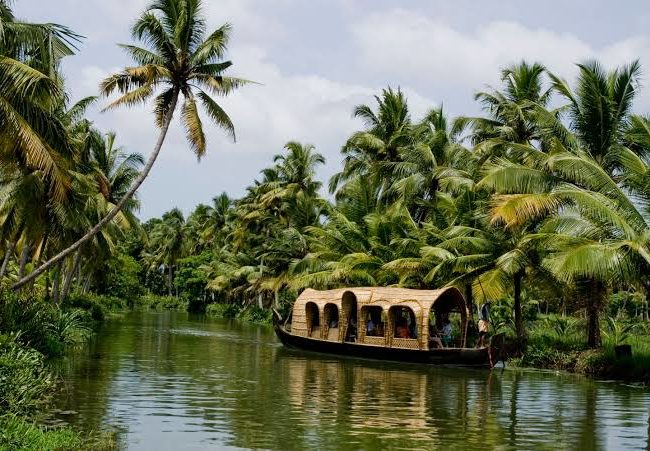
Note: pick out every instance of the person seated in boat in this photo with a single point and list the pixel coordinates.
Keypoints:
(402, 330)
(434, 332)
(446, 331)
(483, 323)
(434, 341)
(371, 328)
(410, 324)
(352, 329)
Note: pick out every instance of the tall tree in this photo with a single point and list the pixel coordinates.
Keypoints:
(180, 59)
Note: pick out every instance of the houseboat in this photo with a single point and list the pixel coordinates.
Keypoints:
(386, 323)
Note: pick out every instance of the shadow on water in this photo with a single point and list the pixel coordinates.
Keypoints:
(171, 381)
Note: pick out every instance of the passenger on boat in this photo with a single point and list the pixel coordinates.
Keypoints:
(483, 323)
(435, 341)
(352, 330)
(434, 332)
(370, 327)
(402, 330)
(447, 330)
(410, 324)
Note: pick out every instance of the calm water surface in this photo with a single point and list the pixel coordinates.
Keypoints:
(169, 381)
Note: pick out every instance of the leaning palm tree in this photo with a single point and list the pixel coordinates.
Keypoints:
(178, 59)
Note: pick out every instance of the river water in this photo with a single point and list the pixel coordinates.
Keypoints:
(171, 381)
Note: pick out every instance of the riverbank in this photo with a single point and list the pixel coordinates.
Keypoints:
(251, 314)
(31, 333)
(556, 342)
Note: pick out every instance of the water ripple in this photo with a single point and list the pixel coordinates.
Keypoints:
(165, 381)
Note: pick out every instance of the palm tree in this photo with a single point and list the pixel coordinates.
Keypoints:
(218, 218)
(168, 242)
(511, 110)
(433, 170)
(41, 46)
(372, 153)
(30, 131)
(580, 191)
(110, 171)
(180, 60)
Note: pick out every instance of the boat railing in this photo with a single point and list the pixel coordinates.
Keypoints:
(405, 343)
(374, 340)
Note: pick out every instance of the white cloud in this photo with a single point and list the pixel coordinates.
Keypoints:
(424, 51)
(401, 41)
(431, 59)
(284, 107)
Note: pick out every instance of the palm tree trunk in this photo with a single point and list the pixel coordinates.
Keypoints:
(170, 278)
(5, 261)
(68, 277)
(116, 209)
(646, 307)
(41, 252)
(594, 295)
(469, 299)
(23, 260)
(519, 320)
(55, 284)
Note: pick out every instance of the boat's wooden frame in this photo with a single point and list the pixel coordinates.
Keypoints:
(308, 326)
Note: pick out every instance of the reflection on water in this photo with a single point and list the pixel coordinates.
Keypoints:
(170, 381)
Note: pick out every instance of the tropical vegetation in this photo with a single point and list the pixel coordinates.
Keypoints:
(541, 204)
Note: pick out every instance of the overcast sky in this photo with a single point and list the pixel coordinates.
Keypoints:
(316, 59)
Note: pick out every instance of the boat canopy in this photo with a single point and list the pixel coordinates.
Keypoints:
(353, 304)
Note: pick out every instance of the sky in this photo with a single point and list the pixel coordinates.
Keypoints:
(315, 60)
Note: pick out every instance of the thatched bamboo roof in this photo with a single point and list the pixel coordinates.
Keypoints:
(417, 300)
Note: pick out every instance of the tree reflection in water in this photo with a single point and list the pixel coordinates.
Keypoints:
(170, 381)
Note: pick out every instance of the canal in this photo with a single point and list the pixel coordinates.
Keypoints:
(171, 381)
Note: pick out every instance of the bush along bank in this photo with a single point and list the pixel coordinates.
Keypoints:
(102, 306)
(31, 331)
(251, 314)
(555, 342)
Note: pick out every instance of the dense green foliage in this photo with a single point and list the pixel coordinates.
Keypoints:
(541, 204)
(67, 191)
(534, 208)
(31, 331)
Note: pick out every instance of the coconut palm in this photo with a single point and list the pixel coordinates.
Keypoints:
(41, 46)
(168, 242)
(178, 60)
(511, 110)
(593, 233)
(433, 170)
(31, 134)
(371, 153)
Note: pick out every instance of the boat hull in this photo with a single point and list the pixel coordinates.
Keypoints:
(446, 356)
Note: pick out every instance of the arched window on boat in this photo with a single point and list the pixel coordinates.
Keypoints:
(348, 318)
(448, 321)
(403, 322)
(331, 321)
(312, 316)
(373, 325)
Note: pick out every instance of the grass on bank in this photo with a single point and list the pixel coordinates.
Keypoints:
(251, 314)
(16, 433)
(31, 331)
(557, 342)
